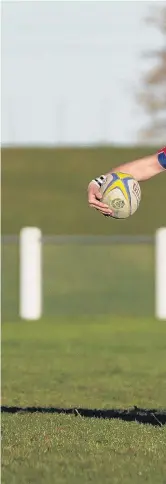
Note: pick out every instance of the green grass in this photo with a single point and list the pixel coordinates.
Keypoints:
(92, 362)
(48, 188)
(44, 449)
(86, 279)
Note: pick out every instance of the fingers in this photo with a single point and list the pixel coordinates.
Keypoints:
(101, 207)
(94, 197)
(94, 193)
(103, 210)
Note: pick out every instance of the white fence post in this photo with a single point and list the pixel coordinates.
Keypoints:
(30, 273)
(160, 275)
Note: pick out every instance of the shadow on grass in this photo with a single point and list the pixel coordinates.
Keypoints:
(154, 417)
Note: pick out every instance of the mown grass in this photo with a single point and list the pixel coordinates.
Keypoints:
(46, 449)
(98, 362)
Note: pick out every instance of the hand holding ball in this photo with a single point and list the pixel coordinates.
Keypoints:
(122, 193)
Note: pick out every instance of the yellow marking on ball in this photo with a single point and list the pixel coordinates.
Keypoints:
(117, 184)
(122, 176)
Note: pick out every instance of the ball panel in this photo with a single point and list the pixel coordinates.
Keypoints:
(123, 187)
(135, 195)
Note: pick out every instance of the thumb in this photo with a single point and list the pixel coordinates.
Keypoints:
(98, 193)
(94, 191)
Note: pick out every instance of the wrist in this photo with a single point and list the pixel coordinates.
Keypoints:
(99, 180)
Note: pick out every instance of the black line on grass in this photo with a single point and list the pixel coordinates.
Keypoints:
(154, 417)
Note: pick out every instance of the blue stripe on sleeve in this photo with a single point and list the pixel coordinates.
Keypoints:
(162, 159)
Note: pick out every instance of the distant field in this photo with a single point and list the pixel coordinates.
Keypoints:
(47, 188)
(104, 363)
(82, 279)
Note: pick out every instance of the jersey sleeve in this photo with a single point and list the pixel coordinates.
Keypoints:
(162, 157)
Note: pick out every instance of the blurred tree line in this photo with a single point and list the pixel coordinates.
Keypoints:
(152, 95)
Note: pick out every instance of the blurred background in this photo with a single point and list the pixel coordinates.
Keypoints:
(83, 89)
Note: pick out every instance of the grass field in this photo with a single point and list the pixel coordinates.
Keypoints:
(97, 345)
(92, 362)
(86, 279)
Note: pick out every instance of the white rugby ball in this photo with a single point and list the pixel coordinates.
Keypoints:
(122, 193)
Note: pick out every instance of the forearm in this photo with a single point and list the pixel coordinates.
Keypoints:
(141, 169)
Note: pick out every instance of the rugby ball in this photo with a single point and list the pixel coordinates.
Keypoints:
(122, 193)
